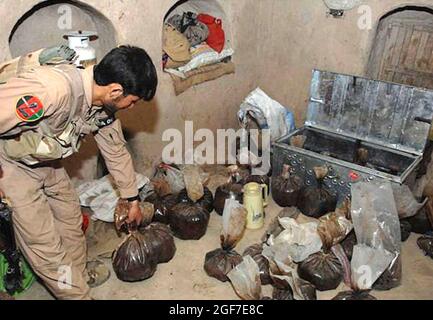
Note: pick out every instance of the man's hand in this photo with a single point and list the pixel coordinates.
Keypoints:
(135, 214)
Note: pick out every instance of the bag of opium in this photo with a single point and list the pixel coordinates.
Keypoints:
(189, 219)
(220, 262)
(316, 201)
(286, 188)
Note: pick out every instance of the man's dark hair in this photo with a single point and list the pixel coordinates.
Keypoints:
(132, 68)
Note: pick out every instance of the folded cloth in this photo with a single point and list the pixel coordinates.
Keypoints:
(202, 75)
(188, 24)
(175, 44)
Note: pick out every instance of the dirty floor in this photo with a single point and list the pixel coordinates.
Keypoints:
(184, 278)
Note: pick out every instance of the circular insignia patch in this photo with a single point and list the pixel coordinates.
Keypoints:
(29, 109)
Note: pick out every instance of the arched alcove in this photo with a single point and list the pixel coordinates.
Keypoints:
(402, 51)
(45, 24)
(206, 61)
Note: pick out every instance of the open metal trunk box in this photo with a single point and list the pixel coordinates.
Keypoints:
(361, 129)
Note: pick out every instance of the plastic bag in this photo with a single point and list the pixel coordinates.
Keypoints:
(323, 270)
(101, 196)
(255, 252)
(283, 273)
(279, 294)
(286, 188)
(161, 240)
(354, 295)
(377, 227)
(206, 201)
(245, 279)
(232, 189)
(425, 243)
(227, 191)
(420, 222)
(407, 205)
(268, 113)
(162, 206)
(135, 259)
(316, 201)
(300, 240)
(220, 262)
(348, 243)
(189, 221)
(173, 175)
(406, 230)
(334, 227)
(193, 184)
(275, 228)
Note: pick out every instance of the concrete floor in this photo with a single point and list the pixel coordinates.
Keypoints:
(184, 278)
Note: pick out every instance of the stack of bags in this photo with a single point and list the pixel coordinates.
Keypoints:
(194, 50)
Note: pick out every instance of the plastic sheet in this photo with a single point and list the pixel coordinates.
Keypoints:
(377, 227)
(101, 196)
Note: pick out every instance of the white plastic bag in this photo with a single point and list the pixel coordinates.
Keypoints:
(300, 240)
(407, 206)
(268, 113)
(234, 223)
(377, 227)
(245, 279)
(101, 196)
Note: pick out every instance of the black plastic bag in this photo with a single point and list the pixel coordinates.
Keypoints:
(135, 259)
(316, 201)
(220, 262)
(420, 222)
(189, 221)
(224, 192)
(160, 238)
(391, 278)
(255, 252)
(279, 294)
(162, 206)
(206, 201)
(348, 244)
(425, 243)
(286, 188)
(323, 270)
(354, 295)
(406, 230)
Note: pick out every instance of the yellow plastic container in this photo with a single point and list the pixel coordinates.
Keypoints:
(255, 201)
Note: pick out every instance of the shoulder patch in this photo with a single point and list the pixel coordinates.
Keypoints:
(29, 109)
